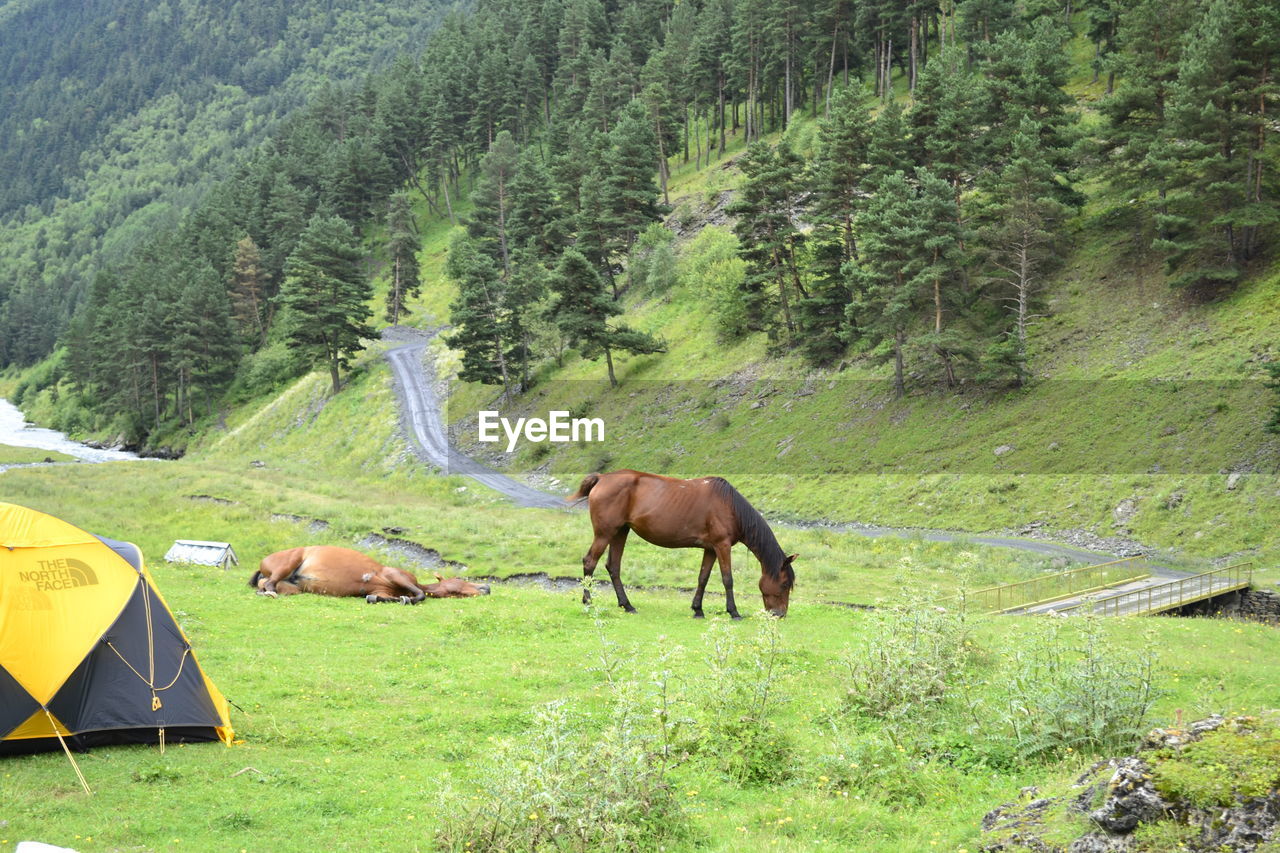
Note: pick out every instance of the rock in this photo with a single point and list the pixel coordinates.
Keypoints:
(1131, 798)
(1053, 445)
(1003, 449)
(1119, 796)
(1233, 480)
(1125, 510)
(756, 404)
(1174, 500)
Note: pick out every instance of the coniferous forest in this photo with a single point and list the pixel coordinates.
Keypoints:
(916, 225)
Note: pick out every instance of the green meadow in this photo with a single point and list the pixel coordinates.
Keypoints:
(894, 724)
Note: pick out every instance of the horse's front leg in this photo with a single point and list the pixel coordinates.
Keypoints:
(704, 574)
(723, 553)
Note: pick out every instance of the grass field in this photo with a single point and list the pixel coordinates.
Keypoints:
(366, 727)
(30, 455)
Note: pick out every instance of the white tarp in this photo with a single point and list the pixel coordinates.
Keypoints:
(201, 553)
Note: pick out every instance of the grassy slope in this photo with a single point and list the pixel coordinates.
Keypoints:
(1142, 395)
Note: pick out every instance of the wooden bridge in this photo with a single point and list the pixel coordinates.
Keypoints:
(1118, 588)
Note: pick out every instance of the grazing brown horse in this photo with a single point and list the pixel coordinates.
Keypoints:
(330, 570)
(705, 513)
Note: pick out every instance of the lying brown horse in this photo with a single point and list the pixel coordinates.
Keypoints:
(705, 513)
(330, 570)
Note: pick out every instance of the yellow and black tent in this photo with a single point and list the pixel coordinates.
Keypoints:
(89, 652)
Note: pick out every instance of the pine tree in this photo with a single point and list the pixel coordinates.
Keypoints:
(840, 169)
(1150, 35)
(248, 291)
(479, 318)
(885, 281)
(766, 206)
(582, 309)
(839, 182)
(402, 252)
(488, 223)
(1213, 145)
(1023, 220)
(629, 193)
(938, 216)
(327, 295)
(888, 150)
(945, 120)
(538, 221)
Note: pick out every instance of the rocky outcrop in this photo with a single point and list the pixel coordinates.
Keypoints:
(1116, 798)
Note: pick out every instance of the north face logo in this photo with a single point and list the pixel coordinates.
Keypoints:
(59, 574)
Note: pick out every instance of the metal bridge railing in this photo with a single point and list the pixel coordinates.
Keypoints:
(1171, 595)
(1048, 587)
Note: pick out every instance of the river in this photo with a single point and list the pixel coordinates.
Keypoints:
(16, 432)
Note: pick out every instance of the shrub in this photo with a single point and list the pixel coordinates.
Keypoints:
(742, 689)
(914, 651)
(710, 267)
(568, 784)
(1082, 697)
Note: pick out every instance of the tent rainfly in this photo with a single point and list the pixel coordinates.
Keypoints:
(201, 553)
(89, 652)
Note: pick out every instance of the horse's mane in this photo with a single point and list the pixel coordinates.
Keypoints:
(755, 533)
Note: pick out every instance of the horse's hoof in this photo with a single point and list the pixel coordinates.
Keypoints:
(629, 609)
(697, 614)
(404, 599)
(268, 593)
(371, 599)
(736, 615)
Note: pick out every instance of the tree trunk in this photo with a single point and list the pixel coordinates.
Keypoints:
(722, 131)
(447, 203)
(608, 360)
(899, 379)
(831, 68)
(914, 51)
(1024, 302)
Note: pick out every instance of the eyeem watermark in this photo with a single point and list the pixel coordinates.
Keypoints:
(558, 428)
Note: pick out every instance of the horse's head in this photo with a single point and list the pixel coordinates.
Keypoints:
(454, 588)
(776, 587)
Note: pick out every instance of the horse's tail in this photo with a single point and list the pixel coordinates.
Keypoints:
(584, 488)
(253, 581)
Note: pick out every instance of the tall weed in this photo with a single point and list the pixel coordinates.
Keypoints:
(913, 653)
(1069, 690)
(738, 701)
(567, 784)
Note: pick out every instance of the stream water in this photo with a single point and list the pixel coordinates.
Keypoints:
(16, 432)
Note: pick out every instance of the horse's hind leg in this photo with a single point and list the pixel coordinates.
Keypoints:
(589, 564)
(708, 557)
(404, 582)
(723, 553)
(275, 569)
(614, 565)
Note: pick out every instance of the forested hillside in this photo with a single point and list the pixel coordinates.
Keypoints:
(907, 177)
(116, 117)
